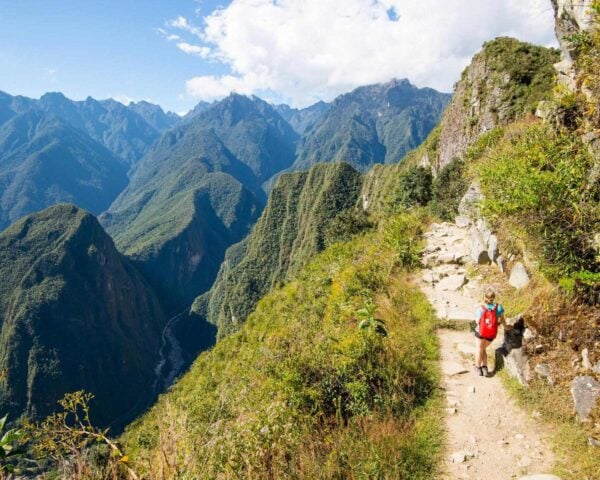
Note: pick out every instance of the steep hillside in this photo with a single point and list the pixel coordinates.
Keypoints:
(374, 124)
(127, 132)
(74, 314)
(120, 129)
(327, 391)
(289, 232)
(44, 161)
(197, 192)
(505, 81)
(303, 119)
(253, 132)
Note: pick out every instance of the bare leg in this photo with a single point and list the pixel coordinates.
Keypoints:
(481, 354)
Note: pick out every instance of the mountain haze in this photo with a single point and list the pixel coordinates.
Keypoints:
(44, 161)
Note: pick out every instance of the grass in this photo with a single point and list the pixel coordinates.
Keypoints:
(576, 459)
(300, 391)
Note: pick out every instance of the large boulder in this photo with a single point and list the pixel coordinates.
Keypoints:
(479, 251)
(586, 392)
(519, 278)
(511, 354)
(469, 204)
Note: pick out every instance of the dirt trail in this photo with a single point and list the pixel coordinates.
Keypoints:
(489, 437)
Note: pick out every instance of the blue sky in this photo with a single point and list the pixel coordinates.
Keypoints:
(100, 48)
(177, 52)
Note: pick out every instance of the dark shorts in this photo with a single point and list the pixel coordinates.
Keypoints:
(484, 338)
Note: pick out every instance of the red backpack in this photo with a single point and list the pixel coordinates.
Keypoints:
(488, 323)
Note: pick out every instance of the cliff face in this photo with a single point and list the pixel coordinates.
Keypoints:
(504, 81)
(289, 232)
(74, 314)
(571, 17)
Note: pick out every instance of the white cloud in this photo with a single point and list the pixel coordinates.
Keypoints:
(210, 87)
(302, 51)
(203, 52)
(183, 23)
(124, 99)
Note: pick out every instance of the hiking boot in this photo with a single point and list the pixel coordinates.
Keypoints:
(479, 371)
(484, 371)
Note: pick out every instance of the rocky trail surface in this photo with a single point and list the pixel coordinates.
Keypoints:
(489, 436)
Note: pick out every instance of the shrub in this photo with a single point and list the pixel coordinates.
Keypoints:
(346, 224)
(536, 180)
(415, 187)
(448, 188)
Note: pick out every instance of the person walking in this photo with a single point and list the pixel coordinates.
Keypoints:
(489, 315)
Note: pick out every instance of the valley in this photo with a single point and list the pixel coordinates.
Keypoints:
(256, 290)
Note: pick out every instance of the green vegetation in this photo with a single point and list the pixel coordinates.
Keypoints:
(291, 229)
(530, 74)
(322, 397)
(577, 459)
(69, 445)
(10, 450)
(197, 192)
(74, 314)
(347, 224)
(373, 124)
(535, 185)
(45, 161)
(585, 48)
(448, 187)
(415, 187)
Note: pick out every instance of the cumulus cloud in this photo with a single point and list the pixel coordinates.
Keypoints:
(301, 51)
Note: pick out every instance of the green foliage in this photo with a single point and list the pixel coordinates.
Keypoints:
(10, 449)
(399, 235)
(368, 321)
(346, 224)
(415, 187)
(584, 285)
(75, 446)
(530, 71)
(291, 229)
(373, 124)
(46, 161)
(448, 188)
(69, 303)
(585, 48)
(536, 179)
(321, 397)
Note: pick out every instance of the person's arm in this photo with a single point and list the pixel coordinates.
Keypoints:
(502, 321)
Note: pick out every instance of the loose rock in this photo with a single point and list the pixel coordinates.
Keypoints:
(586, 392)
(585, 359)
(519, 278)
(543, 371)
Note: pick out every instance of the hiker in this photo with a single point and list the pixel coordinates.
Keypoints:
(489, 315)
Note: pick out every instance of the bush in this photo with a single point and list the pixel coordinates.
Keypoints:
(346, 224)
(415, 187)
(448, 188)
(535, 182)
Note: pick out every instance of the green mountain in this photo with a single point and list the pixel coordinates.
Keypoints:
(127, 131)
(289, 232)
(117, 127)
(154, 115)
(197, 192)
(44, 161)
(74, 314)
(302, 119)
(373, 124)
